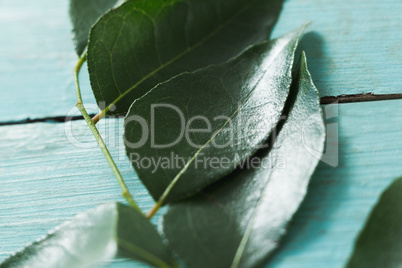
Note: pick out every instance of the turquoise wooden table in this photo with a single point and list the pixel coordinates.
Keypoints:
(49, 171)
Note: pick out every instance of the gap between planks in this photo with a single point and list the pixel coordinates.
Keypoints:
(324, 100)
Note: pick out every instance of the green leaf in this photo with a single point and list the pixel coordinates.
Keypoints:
(145, 42)
(239, 221)
(84, 14)
(380, 242)
(236, 105)
(98, 234)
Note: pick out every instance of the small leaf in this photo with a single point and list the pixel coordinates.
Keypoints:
(84, 14)
(97, 234)
(239, 221)
(146, 42)
(380, 242)
(236, 105)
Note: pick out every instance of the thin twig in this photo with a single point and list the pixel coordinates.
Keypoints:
(154, 209)
(126, 194)
(98, 117)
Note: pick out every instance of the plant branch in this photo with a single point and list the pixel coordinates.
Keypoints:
(163, 197)
(126, 194)
(98, 116)
(154, 209)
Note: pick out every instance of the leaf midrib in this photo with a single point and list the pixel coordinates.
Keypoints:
(189, 49)
(146, 255)
(178, 176)
(247, 234)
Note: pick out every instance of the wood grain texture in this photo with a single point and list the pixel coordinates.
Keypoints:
(354, 47)
(37, 59)
(339, 199)
(45, 179)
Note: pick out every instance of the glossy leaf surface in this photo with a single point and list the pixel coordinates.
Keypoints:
(380, 242)
(98, 234)
(84, 14)
(238, 221)
(146, 42)
(221, 113)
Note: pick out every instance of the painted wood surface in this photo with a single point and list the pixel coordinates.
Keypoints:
(49, 172)
(354, 46)
(37, 59)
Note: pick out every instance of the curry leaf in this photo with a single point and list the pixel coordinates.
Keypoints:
(222, 112)
(380, 244)
(101, 233)
(83, 14)
(239, 221)
(144, 42)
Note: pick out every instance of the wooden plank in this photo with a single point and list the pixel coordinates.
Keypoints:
(339, 199)
(353, 46)
(46, 179)
(356, 47)
(37, 60)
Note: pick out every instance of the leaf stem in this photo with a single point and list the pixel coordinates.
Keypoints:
(154, 209)
(98, 116)
(126, 194)
(165, 194)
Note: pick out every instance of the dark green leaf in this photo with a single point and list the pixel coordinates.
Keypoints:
(380, 242)
(84, 14)
(95, 235)
(145, 42)
(239, 221)
(240, 100)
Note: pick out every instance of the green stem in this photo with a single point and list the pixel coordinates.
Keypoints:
(99, 116)
(154, 209)
(126, 194)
